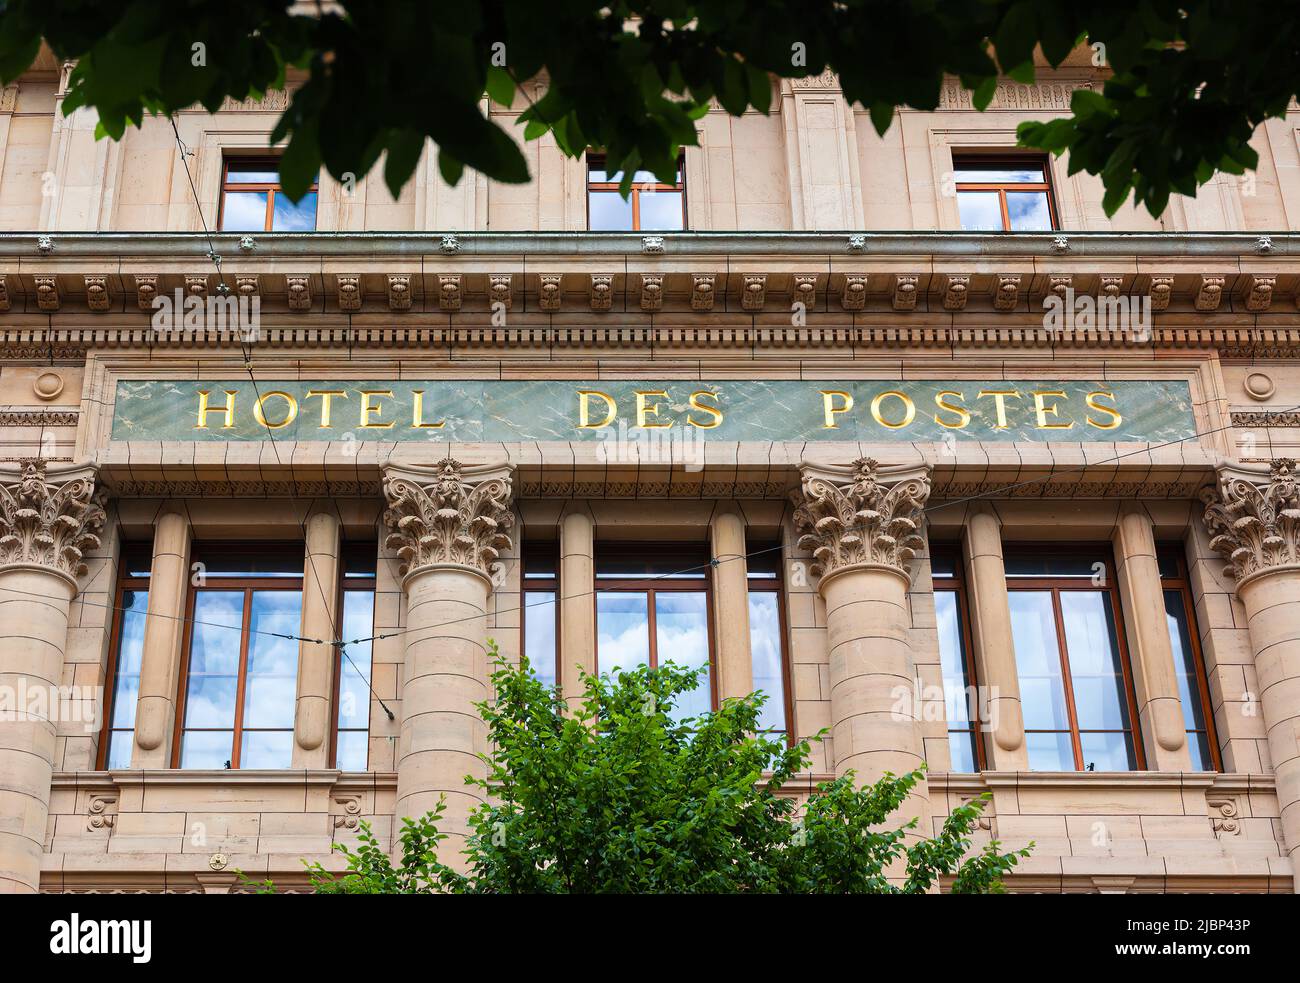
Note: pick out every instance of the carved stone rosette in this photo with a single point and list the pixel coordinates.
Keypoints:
(863, 515)
(1253, 517)
(448, 514)
(49, 518)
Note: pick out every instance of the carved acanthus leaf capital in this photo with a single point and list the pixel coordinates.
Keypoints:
(448, 514)
(1253, 517)
(48, 517)
(866, 514)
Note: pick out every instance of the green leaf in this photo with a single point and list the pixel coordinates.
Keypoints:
(500, 86)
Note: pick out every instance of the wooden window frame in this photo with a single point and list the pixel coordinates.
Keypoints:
(635, 194)
(956, 584)
(339, 662)
(272, 188)
(974, 160)
(540, 585)
(1055, 585)
(1181, 582)
(228, 584)
(651, 586)
(125, 582)
(774, 585)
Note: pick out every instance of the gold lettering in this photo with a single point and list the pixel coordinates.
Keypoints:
(1000, 400)
(713, 411)
(643, 412)
(909, 409)
(417, 413)
(830, 409)
(1043, 411)
(369, 410)
(290, 413)
(1115, 418)
(963, 414)
(228, 409)
(326, 401)
(584, 409)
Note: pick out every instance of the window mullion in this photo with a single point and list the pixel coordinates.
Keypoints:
(1067, 680)
(242, 681)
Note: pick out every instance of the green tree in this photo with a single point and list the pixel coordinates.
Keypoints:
(625, 797)
(1192, 79)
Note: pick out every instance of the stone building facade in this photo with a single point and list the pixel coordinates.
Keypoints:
(903, 431)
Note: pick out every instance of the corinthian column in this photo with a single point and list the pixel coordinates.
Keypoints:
(1253, 517)
(47, 520)
(449, 524)
(861, 524)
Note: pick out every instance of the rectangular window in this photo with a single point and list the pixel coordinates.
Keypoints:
(652, 205)
(239, 684)
(541, 614)
(957, 659)
(252, 201)
(1193, 684)
(1004, 194)
(353, 669)
(126, 648)
(767, 638)
(1075, 683)
(652, 607)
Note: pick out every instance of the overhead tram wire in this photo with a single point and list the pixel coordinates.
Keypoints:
(247, 351)
(992, 492)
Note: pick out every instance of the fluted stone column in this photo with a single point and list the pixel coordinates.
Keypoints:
(320, 620)
(731, 604)
(1253, 517)
(48, 519)
(164, 627)
(1155, 679)
(861, 524)
(449, 524)
(577, 640)
(995, 653)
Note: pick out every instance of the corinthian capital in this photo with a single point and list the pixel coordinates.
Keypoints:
(1253, 516)
(448, 514)
(864, 514)
(49, 518)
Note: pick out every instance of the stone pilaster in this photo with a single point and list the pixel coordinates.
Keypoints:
(48, 519)
(731, 603)
(862, 525)
(995, 652)
(1155, 678)
(1253, 517)
(164, 627)
(577, 640)
(320, 620)
(448, 523)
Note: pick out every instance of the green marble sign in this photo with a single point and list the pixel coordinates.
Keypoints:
(731, 410)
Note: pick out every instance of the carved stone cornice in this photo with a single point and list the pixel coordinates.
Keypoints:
(448, 515)
(49, 518)
(861, 515)
(1253, 517)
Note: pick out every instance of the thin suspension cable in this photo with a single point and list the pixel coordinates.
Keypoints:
(247, 350)
(711, 563)
(924, 511)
